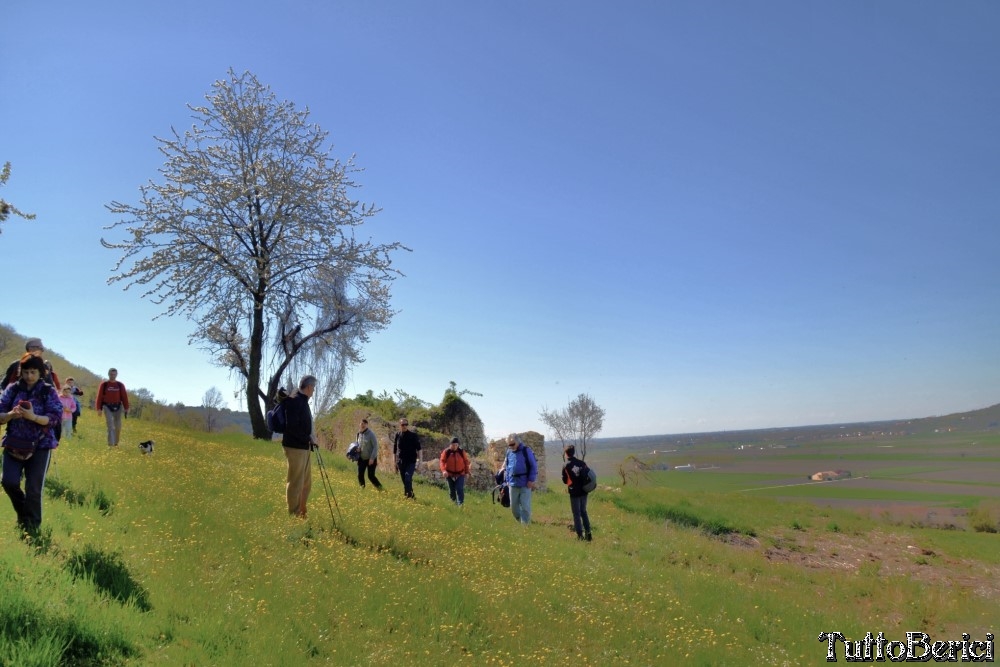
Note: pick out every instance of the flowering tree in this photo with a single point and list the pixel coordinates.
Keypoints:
(252, 234)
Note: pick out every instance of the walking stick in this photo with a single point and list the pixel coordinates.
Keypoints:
(328, 487)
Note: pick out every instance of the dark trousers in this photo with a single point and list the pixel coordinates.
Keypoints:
(580, 519)
(406, 469)
(27, 503)
(363, 465)
(456, 489)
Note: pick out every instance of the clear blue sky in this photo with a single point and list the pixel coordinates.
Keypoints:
(707, 215)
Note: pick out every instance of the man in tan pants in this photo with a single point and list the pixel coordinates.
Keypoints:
(297, 442)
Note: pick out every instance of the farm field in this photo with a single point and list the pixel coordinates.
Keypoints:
(931, 479)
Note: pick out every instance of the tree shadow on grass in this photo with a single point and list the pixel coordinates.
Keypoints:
(110, 575)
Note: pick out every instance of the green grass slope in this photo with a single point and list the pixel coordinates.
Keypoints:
(188, 557)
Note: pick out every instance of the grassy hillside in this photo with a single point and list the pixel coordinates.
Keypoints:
(12, 347)
(187, 557)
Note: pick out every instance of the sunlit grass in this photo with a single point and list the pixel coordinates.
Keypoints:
(188, 556)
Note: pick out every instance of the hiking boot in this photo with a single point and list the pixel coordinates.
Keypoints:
(579, 536)
(589, 537)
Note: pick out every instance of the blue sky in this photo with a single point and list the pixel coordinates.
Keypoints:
(707, 216)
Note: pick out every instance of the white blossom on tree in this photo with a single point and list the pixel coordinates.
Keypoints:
(251, 232)
(6, 208)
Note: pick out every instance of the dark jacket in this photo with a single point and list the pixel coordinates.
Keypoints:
(13, 374)
(44, 401)
(406, 447)
(575, 476)
(298, 422)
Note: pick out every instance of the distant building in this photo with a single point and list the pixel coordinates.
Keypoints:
(830, 475)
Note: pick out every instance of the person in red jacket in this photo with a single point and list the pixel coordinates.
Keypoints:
(112, 400)
(455, 466)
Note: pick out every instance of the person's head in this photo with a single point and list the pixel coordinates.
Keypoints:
(307, 385)
(404, 424)
(67, 390)
(364, 424)
(112, 373)
(34, 347)
(32, 369)
(512, 441)
(569, 451)
(71, 382)
(454, 444)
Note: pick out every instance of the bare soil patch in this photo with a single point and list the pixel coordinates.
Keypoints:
(887, 554)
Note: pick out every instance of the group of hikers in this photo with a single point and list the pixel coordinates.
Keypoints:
(518, 474)
(39, 412)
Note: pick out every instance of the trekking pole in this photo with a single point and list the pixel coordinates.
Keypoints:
(328, 487)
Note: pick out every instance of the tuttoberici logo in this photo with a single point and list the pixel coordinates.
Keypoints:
(918, 647)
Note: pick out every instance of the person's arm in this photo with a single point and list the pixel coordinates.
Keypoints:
(468, 463)
(124, 396)
(443, 458)
(533, 473)
(99, 401)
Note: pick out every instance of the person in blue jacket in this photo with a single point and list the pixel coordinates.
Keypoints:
(31, 409)
(521, 472)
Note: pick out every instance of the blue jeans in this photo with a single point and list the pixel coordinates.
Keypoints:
(581, 522)
(27, 503)
(406, 469)
(520, 503)
(456, 489)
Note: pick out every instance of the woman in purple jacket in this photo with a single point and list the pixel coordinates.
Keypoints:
(31, 409)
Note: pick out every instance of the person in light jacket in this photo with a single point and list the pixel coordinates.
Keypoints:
(368, 457)
(521, 471)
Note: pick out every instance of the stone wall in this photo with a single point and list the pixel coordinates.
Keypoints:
(496, 454)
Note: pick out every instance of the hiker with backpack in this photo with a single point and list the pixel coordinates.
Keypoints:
(521, 471)
(33, 347)
(112, 400)
(406, 450)
(30, 407)
(576, 475)
(455, 467)
(297, 442)
(367, 455)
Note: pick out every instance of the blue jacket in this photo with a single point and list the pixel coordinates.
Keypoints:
(44, 401)
(521, 466)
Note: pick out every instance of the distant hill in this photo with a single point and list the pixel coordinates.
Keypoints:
(984, 419)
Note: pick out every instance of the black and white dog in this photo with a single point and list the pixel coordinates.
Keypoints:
(146, 447)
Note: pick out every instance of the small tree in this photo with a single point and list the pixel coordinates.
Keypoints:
(6, 208)
(577, 423)
(211, 402)
(138, 400)
(633, 469)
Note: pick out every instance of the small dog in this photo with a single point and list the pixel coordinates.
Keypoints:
(146, 447)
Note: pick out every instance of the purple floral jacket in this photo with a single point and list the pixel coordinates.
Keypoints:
(44, 400)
